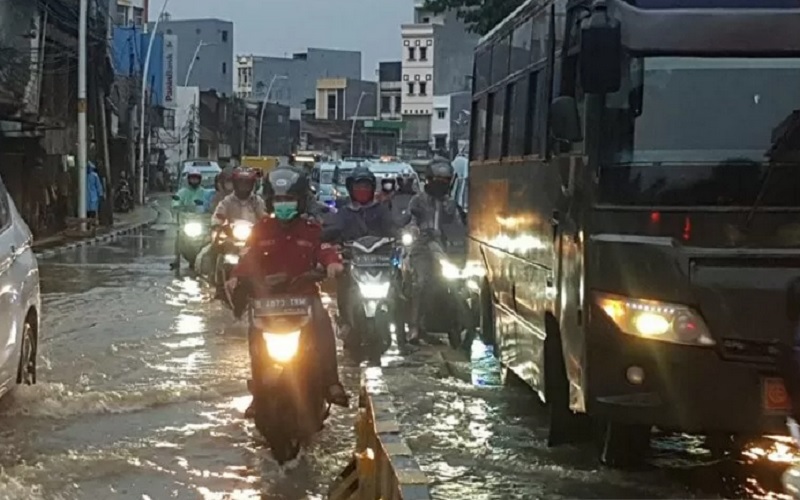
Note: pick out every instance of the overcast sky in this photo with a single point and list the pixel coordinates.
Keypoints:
(281, 27)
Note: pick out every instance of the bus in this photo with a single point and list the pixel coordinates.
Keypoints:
(635, 203)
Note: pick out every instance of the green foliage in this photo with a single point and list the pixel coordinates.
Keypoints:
(480, 16)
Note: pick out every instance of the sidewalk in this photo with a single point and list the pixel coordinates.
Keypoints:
(137, 218)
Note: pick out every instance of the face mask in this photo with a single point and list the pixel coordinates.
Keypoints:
(228, 186)
(285, 210)
(363, 194)
(388, 187)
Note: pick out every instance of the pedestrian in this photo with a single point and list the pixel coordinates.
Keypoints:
(94, 191)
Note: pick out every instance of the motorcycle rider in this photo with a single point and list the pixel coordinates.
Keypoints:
(290, 242)
(362, 216)
(223, 185)
(429, 212)
(242, 203)
(187, 197)
(387, 191)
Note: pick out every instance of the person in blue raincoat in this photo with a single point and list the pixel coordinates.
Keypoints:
(94, 191)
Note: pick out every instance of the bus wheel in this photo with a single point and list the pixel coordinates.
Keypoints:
(624, 445)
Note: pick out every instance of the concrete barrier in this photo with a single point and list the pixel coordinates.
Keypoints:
(383, 466)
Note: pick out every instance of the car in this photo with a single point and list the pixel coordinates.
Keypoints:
(208, 169)
(20, 298)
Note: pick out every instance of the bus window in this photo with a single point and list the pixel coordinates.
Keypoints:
(478, 129)
(509, 97)
(500, 52)
(483, 69)
(496, 130)
(531, 132)
(521, 46)
(519, 107)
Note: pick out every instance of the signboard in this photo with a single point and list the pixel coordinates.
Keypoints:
(170, 91)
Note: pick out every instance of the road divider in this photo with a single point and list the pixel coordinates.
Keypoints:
(383, 466)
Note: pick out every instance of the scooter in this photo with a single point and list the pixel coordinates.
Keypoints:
(194, 233)
(229, 240)
(370, 262)
(288, 396)
(123, 197)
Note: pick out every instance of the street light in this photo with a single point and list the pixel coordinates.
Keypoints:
(193, 110)
(145, 70)
(355, 116)
(264, 108)
(200, 45)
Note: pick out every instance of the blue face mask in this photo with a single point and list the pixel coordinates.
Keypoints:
(285, 210)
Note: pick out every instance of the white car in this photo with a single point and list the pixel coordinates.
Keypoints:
(20, 302)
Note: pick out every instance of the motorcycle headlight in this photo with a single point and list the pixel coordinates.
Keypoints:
(242, 230)
(193, 229)
(374, 291)
(650, 319)
(407, 239)
(449, 271)
(232, 259)
(282, 347)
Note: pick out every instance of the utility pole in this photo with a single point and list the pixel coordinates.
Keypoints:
(355, 117)
(82, 105)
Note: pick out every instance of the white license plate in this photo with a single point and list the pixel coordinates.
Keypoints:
(282, 306)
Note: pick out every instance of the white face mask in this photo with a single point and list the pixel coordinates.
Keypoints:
(388, 186)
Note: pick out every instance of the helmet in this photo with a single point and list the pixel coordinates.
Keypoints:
(438, 177)
(244, 181)
(193, 176)
(286, 182)
(360, 175)
(389, 184)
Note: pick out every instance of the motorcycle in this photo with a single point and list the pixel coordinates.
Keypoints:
(123, 197)
(288, 397)
(371, 279)
(229, 240)
(193, 234)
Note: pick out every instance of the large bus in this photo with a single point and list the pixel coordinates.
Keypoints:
(635, 198)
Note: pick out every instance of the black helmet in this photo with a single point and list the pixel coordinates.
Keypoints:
(438, 177)
(287, 181)
(360, 174)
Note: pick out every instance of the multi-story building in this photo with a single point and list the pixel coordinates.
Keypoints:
(343, 99)
(294, 79)
(450, 122)
(437, 61)
(209, 42)
(390, 90)
(129, 12)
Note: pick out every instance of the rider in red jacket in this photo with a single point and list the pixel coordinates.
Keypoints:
(289, 242)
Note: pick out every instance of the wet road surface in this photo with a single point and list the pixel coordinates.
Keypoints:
(141, 393)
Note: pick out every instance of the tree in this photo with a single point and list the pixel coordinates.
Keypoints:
(480, 16)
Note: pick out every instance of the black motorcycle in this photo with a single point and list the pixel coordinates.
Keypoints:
(123, 197)
(288, 396)
(229, 241)
(371, 271)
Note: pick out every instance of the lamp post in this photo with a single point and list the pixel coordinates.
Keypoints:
(264, 108)
(200, 45)
(355, 117)
(145, 71)
(192, 112)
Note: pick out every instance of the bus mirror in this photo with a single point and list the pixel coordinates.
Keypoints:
(565, 122)
(601, 54)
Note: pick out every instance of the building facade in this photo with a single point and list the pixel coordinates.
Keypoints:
(294, 79)
(209, 42)
(390, 91)
(344, 99)
(129, 12)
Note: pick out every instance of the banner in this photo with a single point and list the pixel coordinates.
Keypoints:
(170, 91)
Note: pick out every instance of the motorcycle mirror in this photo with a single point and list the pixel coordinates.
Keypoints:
(199, 203)
(176, 197)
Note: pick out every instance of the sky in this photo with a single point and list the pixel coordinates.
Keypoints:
(282, 27)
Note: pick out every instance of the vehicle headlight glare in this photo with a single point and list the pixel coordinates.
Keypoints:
(232, 259)
(449, 271)
(282, 348)
(374, 291)
(655, 320)
(241, 231)
(193, 229)
(407, 239)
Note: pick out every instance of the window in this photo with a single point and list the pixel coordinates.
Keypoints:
(5, 207)
(386, 104)
(197, 31)
(412, 54)
(483, 69)
(478, 129)
(225, 36)
(224, 68)
(441, 113)
(138, 16)
(423, 88)
(122, 15)
(440, 142)
(532, 142)
(169, 119)
(423, 53)
(500, 53)
(331, 107)
(541, 28)
(397, 104)
(410, 88)
(507, 109)
(495, 134)
(426, 20)
(521, 46)
(517, 137)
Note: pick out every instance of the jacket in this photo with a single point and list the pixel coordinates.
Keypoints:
(187, 197)
(438, 221)
(356, 221)
(292, 248)
(94, 188)
(232, 208)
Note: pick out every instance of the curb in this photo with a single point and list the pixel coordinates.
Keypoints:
(103, 238)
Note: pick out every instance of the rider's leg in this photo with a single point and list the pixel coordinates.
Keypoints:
(256, 347)
(421, 270)
(325, 343)
(343, 299)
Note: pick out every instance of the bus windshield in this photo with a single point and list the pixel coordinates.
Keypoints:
(326, 177)
(693, 109)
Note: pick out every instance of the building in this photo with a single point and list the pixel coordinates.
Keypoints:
(450, 122)
(294, 79)
(390, 82)
(176, 136)
(437, 61)
(209, 42)
(129, 12)
(343, 99)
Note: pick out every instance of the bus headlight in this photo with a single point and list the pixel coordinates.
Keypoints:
(449, 271)
(282, 347)
(241, 230)
(193, 229)
(374, 291)
(655, 320)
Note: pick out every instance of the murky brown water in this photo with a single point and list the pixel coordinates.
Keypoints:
(142, 390)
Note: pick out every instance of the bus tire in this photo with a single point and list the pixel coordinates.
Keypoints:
(624, 446)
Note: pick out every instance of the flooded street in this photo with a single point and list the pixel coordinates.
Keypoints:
(142, 389)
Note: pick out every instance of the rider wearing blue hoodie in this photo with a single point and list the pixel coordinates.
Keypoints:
(362, 216)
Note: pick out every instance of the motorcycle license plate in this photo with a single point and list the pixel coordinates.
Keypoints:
(372, 260)
(282, 306)
(774, 396)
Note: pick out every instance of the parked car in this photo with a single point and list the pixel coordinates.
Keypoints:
(20, 302)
